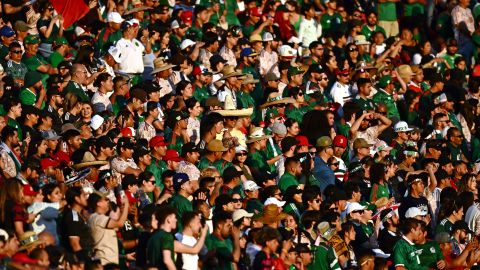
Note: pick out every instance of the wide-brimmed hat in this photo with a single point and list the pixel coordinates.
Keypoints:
(257, 134)
(404, 71)
(276, 98)
(229, 71)
(159, 65)
(271, 214)
(249, 79)
(29, 240)
(89, 160)
(325, 230)
(230, 110)
(361, 40)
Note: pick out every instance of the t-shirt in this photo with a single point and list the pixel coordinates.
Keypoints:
(223, 250)
(387, 11)
(190, 261)
(160, 241)
(286, 181)
(182, 205)
(429, 254)
(405, 254)
(410, 201)
(324, 258)
(73, 224)
(444, 226)
(105, 240)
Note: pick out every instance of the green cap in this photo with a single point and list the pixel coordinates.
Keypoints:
(324, 141)
(384, 81)
(292, 71)
(271, 113)
(31, 78)
(370, 206)
(31, 40)
(60, 41)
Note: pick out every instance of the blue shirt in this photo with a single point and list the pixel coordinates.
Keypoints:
(323, 173)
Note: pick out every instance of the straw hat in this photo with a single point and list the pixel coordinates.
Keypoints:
(404, 71)
(271, 214)
(230, 110)
(276, 98)
(29, 240)
(229, 71)
(257, 134)
(159, 64)
(89, 160)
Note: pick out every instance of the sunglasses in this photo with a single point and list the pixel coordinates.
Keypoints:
(359, 211)
(353, 50)
(16, 52)
(335, 164)
(236, 200)
(242, 154)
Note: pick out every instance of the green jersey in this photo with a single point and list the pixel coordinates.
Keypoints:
(429, 254)
(258, 161)
(383, 97)
(160, 241)
(324, 258)
(157, 167)
(387, 11)
(223, 249)
(367, 31)
(379, 191)
(182, 205)
(444, 226)
(405, 254)
(55, 58)
(76, 89)
(286, 181)
(27, 97)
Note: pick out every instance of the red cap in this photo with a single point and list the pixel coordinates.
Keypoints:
(342, 71)
(302, 141)
(157, 141)
(187, 17)
(28, 191)
(49, 162)
(476, 71)
(23, 258)
(127, 132)
(256, 11)
(172, 155)
(340, 141)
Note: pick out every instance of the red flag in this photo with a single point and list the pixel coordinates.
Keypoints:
(71, 10)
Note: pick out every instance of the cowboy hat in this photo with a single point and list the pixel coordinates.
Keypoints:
(404, 71)
(257, 134)
(89, 160)
(29, 240)
(229, 71)
(159, 64)
(137, 9)
(271, 214)
(276, 98)
(230, 110)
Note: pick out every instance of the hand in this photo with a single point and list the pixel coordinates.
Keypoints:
(287, 244)
(202, 196)
(130, 256)
(441, 264)
(59, 177)
(235, 232)
(92, 4)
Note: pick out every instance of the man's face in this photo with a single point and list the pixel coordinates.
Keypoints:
(82, 199)
(443, 122)
(456, 138)
(366, 89)
(338, 151)
(297, 79)
(226, 228)
(343, 78)
(448, 168)
(16, 54)
(168, 184)
(32, 49)
(193, 157)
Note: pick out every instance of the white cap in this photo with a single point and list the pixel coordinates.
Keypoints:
(4, 234)
(174, 24)
(115, 53)
(267, 36)
(279, 128)
(114, 17)
(402, 126)
(249, 185)
(287, 51)
(381, 145)
(415, 211)
(294, 39)
(96, 121)
(240, 149)
(273, 200)
(354, 206)
(240, 213)
(440, 99)
(79, 31)
(186, 43)
(134, 21)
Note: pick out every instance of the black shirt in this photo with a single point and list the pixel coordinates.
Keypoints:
(387, 240)
(410, 201)
(73, 224)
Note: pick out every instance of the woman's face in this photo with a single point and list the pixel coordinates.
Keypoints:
(170, 102)
(86, 110)
(42, 148)
(56, 195)
(294, 129)
(154, 223)
(196, 110)
(241, 157)
(332, 63)
(407, 35)
(300, 98)
(472, 184)
(166, 38)
(188, 91)
(427, 47)
(219, 127)
(290, 223)
(331, 119)
(237, 201)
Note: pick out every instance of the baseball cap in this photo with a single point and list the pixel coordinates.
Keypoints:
(179, 179)
(48, 162)
(287, 51)
(186, 43)
(215, 59)
(125, 142)
(384, 81)
(382, 146)
(402, 126)
(246, 52)
(96, 121)
(174, 117)
(256, 11)
(360, 143)
(275, 201)
(128, 132)
(267, 36)
(115, 53)
(7, 31)
(302, 141)
(201, 70)
(240, 213)
(354, 206)
(461, 225)
(28, 190)
(186, 17)
(21, 26)
(442, 238)
(324, 141)
(287, 143)
(230, 173)
(340, 141)
(415, 211)
(114, 17)
(105, 142)
(140, 152)
(189, 148)
(270, 76)
(279, 128)
(172, 155)
(50, 135)
(250, 185)
(292, 71)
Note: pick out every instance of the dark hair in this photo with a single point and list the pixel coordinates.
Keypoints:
(162, 212)
(377, 173)
(71, 194)
(47, 190)
(308, 195)
(351, 187)
(346, 227)
(145, 176)
(190, 103)
(187, 217)
(309, 218)
(208, 122)
(102, 77)
(206, 180)
(181, 86)
(409, 224)
(220, 217)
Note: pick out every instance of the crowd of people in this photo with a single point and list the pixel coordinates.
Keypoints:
(239, 134)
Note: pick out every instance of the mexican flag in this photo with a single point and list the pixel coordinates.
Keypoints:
(71, 10)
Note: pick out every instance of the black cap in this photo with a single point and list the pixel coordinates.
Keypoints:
(104, 174)
(315, 68)
(65, 64)
(444, 160)
(151, 87)
(339, 195)
(125, 142)
(230, 173)
(105, 142)
(355, 167)
(461, 225)
(222, 200)
(215, 59)
(435, 143)
(140, 152)
(174, 117)
(302, 248)
(179, 179)
(188, 148)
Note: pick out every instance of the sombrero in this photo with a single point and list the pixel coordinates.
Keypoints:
(159, 64)
(271, 214)
(89, 160)
(276, 98)
(229, 71)
(137, 9)
(29, 240)
(257, 134)
(230, 110)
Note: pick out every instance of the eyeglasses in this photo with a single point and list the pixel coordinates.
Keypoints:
(16, 52)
